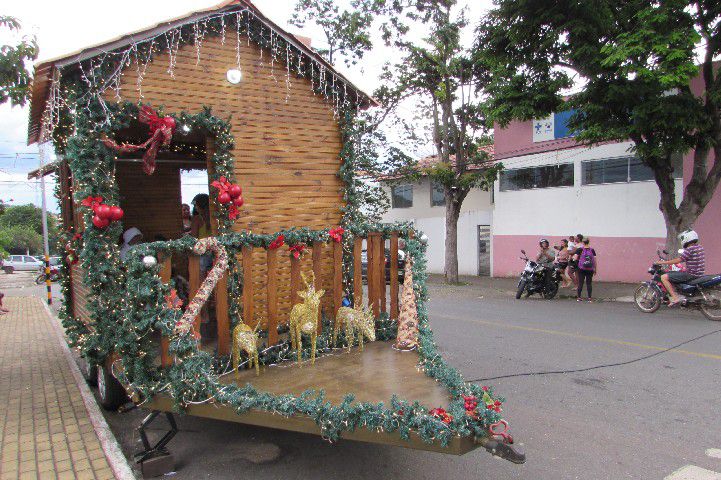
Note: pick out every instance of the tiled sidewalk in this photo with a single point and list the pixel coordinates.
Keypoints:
(45, 429)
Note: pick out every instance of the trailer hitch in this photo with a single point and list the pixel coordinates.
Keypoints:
(500, 443)
(155, 459)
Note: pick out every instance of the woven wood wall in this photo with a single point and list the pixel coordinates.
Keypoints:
(287, 143)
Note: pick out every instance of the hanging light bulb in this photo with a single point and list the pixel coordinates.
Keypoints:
(234, 76)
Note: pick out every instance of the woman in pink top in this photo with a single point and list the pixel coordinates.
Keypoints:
(562, 258)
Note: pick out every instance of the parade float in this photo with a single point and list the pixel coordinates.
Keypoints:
(281, 332)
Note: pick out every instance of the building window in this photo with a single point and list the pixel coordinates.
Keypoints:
(438, 196)
(402, 196)
(546, 176)
(622, 170)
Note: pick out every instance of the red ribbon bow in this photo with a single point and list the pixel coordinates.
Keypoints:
(336, 234)
(297, 250)
(91, 201)
(442, 415)
(161, 133)
(277, 243)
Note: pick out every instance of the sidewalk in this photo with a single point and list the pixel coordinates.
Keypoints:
(506, 287)
(46, 430)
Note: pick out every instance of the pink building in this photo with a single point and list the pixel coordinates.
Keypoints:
(552, 187)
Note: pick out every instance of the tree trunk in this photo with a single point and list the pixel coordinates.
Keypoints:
(453, 209)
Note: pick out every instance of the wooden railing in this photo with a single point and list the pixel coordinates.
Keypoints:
(377, 266)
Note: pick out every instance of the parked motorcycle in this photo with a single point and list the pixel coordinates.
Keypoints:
(54, 275)
(702, 293)
(537, 278)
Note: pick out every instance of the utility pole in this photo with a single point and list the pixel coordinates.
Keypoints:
(46, 246)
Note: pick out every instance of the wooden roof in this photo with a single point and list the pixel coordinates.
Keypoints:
(42, 78)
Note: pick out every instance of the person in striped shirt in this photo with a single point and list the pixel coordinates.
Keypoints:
(694, 258)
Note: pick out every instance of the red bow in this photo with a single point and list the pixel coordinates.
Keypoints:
(161, 133)
(336, 234)
(297, 250)
(277, 243)
(442, 415)
(91, 201)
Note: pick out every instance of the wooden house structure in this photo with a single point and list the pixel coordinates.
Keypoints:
(252, 102)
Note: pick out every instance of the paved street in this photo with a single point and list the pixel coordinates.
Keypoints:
(653, 419)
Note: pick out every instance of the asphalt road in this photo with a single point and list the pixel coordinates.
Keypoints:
(643, 420)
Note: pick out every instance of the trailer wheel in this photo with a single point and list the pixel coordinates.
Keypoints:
(89, 371)
(112, 394)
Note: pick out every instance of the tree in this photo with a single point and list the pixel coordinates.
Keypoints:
(21, 239)
(14, 76)
(347, 32)
(28, 217)
(635, 60)
(439, 75)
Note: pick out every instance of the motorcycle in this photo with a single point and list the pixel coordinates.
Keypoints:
(702, 293)
(54, 275)
(537, 278)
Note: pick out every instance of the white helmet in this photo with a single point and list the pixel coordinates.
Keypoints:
(688, 236)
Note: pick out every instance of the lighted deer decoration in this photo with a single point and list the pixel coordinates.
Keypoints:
(245, 339)
(358, 321)
(304, 316)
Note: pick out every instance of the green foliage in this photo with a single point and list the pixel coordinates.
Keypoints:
(636, 60)
(15, 76)
(20, 239)
(21, 229)
(347, 32)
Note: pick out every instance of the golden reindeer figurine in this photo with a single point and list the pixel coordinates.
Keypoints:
(304, 317)
(358, 321)
(245, 339)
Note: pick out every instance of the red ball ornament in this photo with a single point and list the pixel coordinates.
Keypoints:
(235, 191)
(238, 202)
(116, 213)
(224, 198)
(100, 222)
(103, 211)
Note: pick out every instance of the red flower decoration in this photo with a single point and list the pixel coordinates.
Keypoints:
(277, 243)
(442, 415)
(470, 403)
(91, 201)
(484, 388)
(172, 301)
(297, 250)
(337, 234)
(495, 406)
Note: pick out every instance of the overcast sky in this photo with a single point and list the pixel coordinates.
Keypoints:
(62, 27)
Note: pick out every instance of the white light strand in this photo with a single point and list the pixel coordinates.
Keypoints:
(222, 30)
(287, 72)
(237, 40)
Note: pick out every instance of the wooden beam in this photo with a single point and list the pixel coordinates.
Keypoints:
(318, 275)
(272, 296)
(337, 277)
(394, 276)
(194, 284)
(294, 280)
(248, 285)
(382, 269)
(357, 270)
(222, 315)
(165, 358)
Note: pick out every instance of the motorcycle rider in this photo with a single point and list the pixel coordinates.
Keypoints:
(694, 258)
(545, 257)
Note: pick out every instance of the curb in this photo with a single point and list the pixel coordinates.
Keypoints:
(111, 448)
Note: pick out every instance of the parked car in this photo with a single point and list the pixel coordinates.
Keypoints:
(401, 264)
(20, 263)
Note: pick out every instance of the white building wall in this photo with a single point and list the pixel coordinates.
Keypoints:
(608, 210)
(476, 210)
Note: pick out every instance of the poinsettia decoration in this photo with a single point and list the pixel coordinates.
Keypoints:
(277, 243)
(336, 234)
(161, 133)
(71, 249)
(229, 194)
(442, 415)
(297, 250)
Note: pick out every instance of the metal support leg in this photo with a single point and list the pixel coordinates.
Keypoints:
(155, 459)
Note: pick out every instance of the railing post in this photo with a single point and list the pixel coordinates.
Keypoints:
(318, 275)
(357, 270)
(165, 272)
(337, 277)
(248, 285)
(383, 268)
(222, 315)
(376, 260)
(394, 276)
(194, 284)
(272, 296)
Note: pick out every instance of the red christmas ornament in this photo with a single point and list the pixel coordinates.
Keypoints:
(103, 211)
(238, 201)
(116, 213)
(235, 191)
(223, 198)
(100, 222)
